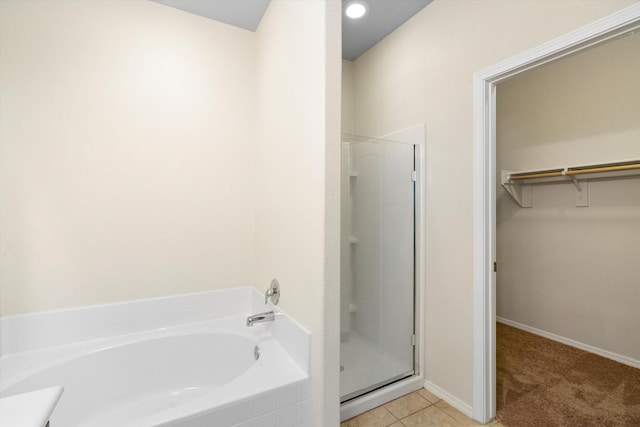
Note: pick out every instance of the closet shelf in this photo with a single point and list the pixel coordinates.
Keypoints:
(517, 184)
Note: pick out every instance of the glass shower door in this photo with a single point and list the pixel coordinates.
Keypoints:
(377, 273)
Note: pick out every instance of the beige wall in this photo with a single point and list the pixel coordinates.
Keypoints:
(297, 178)
(127, 147)
(573, 271)
(348, 97)
(580, 110)
(423, 73)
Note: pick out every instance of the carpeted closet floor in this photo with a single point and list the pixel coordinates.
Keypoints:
(540, 382)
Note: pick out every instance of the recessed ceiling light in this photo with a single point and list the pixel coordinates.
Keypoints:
(356, 10)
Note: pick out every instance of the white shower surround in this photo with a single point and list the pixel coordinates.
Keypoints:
(132, 347)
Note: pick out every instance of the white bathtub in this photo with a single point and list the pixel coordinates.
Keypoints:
(194, 373)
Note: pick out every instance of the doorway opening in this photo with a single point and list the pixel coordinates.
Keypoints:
(568, 238)
(485, 84)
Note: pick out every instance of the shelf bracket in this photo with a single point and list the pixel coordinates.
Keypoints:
(582, 196)
(573, 179)
(522, 194)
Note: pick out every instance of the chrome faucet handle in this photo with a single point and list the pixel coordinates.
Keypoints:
(273, 292)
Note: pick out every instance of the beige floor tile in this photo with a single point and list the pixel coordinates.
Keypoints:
(431, 416)
(407, 405)
(498, 425)
(397, 424)
(428, 395)
(461, 418)
(377, 417)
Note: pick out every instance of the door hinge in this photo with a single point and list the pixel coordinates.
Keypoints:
(414, 176)
(495, 266)
(413, 339)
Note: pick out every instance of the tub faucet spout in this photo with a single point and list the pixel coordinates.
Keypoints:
(261, 317)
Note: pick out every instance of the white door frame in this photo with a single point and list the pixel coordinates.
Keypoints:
(484, 190)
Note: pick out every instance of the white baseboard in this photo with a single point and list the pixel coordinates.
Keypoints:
(586, 347)
(449, 398)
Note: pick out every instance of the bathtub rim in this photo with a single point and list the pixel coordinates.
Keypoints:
(34, 331)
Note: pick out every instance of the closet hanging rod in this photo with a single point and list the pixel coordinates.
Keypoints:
(574, 171)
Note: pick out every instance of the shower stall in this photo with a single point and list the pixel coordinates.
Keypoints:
(379, 218)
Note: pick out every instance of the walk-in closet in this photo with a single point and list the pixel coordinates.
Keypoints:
(568, 240)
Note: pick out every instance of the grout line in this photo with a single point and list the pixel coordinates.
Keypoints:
(392, 414)
(414, 412)
(429, 404)
(445, 412)
(437, 407)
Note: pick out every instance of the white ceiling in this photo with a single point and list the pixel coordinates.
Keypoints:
(358, 36)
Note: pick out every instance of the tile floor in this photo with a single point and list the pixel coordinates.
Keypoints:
(416, 409)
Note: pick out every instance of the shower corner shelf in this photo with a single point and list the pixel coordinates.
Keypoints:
(518, 184)
(353, 240)
(353, 174)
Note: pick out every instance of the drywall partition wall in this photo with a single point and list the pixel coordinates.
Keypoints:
(298, 178)
(126, 153)
(423, 72)
(566, 270)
